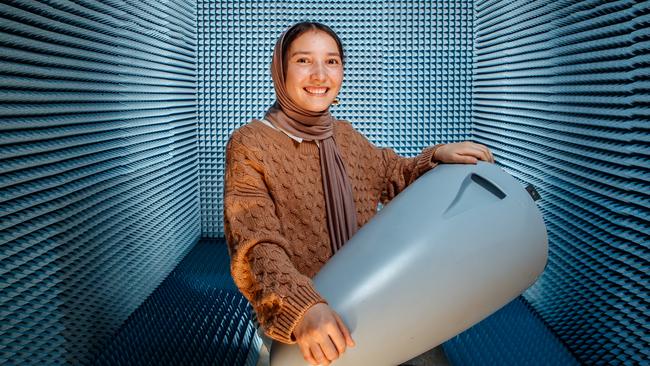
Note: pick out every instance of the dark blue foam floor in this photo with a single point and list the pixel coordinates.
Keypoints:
(511, 336)
(195, 317)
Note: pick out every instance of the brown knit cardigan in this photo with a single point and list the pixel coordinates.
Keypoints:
(274, 212)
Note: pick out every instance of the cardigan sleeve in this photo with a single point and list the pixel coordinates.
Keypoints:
(260, 256)
(396, 171)
(401, 171)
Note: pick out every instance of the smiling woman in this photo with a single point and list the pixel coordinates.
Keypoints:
(299, 183)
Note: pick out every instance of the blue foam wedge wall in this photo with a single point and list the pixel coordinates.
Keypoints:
(407, 77)
(98, 164)
(561, 95)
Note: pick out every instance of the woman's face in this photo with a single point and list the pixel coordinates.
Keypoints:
(313, 70)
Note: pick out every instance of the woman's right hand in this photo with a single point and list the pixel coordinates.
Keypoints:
(322, 335)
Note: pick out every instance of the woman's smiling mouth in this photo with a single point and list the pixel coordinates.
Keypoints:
(316, 91)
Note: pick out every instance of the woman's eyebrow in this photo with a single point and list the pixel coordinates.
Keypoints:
(309, 53)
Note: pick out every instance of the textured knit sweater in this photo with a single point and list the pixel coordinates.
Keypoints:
(274, 213)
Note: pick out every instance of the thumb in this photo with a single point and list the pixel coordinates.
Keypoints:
(344, 330)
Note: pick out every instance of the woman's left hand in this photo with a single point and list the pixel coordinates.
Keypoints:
(465, 152)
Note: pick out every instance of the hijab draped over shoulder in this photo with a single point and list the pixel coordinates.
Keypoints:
(316, 126)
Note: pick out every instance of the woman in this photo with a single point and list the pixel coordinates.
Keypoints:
(299, 183)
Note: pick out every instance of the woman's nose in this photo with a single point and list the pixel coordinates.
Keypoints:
(318, 71)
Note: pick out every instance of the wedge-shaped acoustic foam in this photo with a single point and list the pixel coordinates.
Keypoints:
(98, 175)
(407, 74)
(195, 317)
(561, 95)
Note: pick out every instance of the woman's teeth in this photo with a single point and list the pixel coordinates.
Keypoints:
(316, 91)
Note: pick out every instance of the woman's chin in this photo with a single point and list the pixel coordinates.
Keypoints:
(317, 107)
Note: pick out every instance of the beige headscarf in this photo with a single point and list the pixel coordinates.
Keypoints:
(316, 126)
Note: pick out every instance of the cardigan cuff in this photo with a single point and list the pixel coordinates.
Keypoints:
(427, 158)
(293, 309)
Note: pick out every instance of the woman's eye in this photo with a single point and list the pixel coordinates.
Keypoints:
(333, 61)
(301, 60)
